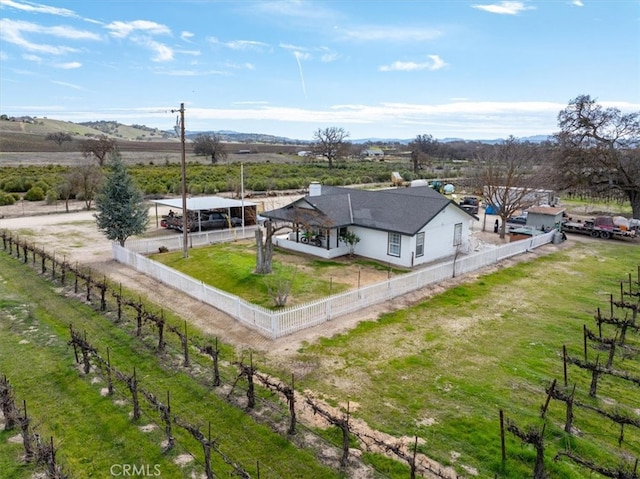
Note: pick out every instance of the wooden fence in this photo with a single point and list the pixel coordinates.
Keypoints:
(277, 323)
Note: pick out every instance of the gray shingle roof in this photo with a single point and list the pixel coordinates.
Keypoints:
(402, 210)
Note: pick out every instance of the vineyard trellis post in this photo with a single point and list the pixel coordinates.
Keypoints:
(27, 440)
(63, 273)
(8, 405)
(535, 437)
(109, 378)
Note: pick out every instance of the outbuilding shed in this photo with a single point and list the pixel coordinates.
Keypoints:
(544, 217)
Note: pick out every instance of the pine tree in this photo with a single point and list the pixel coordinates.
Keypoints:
(120, 204)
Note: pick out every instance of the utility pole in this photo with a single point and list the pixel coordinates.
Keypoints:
(185, 216)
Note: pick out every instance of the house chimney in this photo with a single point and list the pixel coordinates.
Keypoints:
(315, 189)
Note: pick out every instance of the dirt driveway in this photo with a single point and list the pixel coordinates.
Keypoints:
(75, 237)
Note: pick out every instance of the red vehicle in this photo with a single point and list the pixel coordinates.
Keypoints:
(600, 227)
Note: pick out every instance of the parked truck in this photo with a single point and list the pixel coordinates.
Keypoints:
(600, 227)
(204, 221)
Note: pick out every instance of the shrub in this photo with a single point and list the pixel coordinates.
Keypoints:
(51, 197)
(154, 188)
(14, 184)
(42, 185)
(34, 194)
(6, 199)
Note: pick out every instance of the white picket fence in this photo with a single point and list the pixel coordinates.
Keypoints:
(174, 240)
(276, 323)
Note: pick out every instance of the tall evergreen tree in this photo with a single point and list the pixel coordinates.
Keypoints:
(120, 204)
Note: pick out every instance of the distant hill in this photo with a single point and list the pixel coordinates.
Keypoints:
(128, 132)
(119, 131)
(115, 130)
(237, 137)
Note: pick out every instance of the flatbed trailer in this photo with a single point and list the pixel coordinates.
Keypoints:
(589, 228)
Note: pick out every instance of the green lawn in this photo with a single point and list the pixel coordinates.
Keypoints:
(443, 369)
(230, 266)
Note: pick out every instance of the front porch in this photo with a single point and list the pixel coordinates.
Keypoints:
(327, 245)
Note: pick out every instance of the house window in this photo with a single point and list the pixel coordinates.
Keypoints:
(393, 248)
(457, 235)
(420, 245)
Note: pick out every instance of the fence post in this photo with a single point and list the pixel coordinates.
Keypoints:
(275, 330)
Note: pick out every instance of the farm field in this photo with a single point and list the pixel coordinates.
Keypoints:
(442, 368)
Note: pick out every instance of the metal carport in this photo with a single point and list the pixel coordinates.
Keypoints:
(205, 203)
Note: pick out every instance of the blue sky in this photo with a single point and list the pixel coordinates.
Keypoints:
(478, 69)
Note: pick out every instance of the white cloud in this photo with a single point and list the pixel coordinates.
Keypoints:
(45, 9)
(458, 112)
(329, 57)
(186, 36)
(162, 52)
(32, 58)
(36, 8)
(16, 31)
(239, 44)
(241, 66)
(288, 46)
(193, 53)
(70, 85)
(464, 119)
(392, 33)
(120, 29)
(577, 3)
(434, 63)
(504, 8)
(68, 65)
(141, 32)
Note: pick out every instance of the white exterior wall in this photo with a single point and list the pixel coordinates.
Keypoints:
(374, 243)
(438, 240)
(439, 233)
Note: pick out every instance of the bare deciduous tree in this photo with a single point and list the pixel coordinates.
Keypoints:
(59, 137)
(85, 182)
(507, 174)
(422, 148)
(209, 145)
(99, 147)
(330, 143)
(66, 190)
(600, 149)
(264, 251)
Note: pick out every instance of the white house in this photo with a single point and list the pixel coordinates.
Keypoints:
(402, 226)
